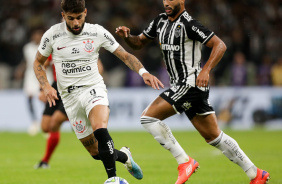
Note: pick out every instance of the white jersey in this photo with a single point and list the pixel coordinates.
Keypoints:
(75, 56)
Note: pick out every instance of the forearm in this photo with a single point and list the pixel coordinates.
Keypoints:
(215, 56)
(134, 42)
(130, 60)
(40, 73)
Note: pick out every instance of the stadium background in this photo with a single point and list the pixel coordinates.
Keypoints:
(251, 30)
(246, 91)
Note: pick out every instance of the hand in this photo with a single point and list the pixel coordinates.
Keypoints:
(51, 95)
(203, 79)
(152, 81)
(42, 96)
(123, 31)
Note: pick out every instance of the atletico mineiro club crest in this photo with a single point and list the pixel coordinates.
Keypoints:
(79, 127)
(88, 46)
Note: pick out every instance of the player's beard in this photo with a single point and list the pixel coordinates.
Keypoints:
(175, 10)
(73, 31)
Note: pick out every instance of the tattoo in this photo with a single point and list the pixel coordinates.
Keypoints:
(39, 69)
(89, 142)
(38, 56)
(131, 61)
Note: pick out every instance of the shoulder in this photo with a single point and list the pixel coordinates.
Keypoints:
(186, 18)
(55, 29)
(161, 16)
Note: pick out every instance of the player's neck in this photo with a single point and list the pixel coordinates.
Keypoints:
(176, 15)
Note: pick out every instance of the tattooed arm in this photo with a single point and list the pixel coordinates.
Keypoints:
(134, 64)
(40, 73)
(135, 42)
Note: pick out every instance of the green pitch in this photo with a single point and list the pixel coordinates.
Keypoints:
(71, 163)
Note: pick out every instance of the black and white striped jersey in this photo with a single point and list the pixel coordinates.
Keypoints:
(181, 43)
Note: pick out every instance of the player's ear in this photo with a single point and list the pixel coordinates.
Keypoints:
(62, 13)
(85, 11)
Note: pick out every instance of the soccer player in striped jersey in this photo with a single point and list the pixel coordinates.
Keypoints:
(181, 38)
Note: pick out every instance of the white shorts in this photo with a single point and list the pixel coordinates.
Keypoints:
(79, 102)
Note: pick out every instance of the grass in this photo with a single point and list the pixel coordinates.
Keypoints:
(71, 163)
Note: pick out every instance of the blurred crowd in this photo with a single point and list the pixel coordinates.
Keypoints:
(251, 29)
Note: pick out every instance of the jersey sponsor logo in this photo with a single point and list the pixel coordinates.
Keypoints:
(89, 34)
(72, 68)
(109, 38)
(88, 46)
(75, 51)
(187, 16)
(46, 40)
(79, 127)
(186, 106)
(200, 33)
(59, 35)
(170, 47)
(166, 93)
(60, 48)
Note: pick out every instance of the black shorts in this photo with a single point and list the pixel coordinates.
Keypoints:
(59, 104)
(190, 100)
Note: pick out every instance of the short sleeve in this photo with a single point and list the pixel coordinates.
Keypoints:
(45, 47)
(151, 30)
(108, 40)
(196, 31)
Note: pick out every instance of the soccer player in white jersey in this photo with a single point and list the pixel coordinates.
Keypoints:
(74, 46)
(181, 38)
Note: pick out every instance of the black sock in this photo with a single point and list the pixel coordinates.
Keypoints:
(106, 150)
(120, 156)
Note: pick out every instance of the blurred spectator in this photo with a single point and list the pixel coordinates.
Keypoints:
(30, 85)
(276, 72)
(264, 72)
(239, 70)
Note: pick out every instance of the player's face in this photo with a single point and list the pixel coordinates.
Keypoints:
(172, 7)
(75, 21)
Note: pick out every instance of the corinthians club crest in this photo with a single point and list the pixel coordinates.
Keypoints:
(88, 46)
(79, 127)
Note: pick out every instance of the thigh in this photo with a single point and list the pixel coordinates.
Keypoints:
(206, 126)
(159, 109)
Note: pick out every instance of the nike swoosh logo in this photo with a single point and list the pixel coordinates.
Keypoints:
(59, 48)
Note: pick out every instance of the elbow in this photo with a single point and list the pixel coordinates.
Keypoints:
(222, 46)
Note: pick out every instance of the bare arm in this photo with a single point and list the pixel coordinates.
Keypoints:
(218, 49)
(135, 42)
(134, 64)
(40, 73)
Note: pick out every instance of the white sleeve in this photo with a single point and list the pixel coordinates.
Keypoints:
(45, 46)
(108, 41)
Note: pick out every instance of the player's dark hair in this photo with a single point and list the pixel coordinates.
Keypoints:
(73, 6)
